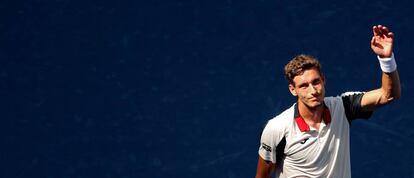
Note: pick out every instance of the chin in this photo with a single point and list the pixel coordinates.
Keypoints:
(314, 104)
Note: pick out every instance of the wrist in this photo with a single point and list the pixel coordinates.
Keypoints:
(382, 56)
(387, 64)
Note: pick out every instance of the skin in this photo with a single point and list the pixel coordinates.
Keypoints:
(309, 88)
(382, 45)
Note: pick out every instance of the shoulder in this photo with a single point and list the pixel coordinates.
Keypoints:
(280, 122)
(350, 103)
(284, 116)
(344, 97)
(333, 102)
(352, 95)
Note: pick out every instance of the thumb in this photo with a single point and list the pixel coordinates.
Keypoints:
(373, 40)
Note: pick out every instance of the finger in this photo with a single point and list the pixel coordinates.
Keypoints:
(378, 30)
(382, 31)
(385, 30)
(373, 41)
(375, 30)
(376, 41)
(390, 35)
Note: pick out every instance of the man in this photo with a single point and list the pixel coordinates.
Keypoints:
(311, 138)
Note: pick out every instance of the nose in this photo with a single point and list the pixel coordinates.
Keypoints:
(312, 89)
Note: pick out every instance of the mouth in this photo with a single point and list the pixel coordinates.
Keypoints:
(314, 99)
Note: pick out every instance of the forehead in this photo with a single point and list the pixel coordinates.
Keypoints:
(307, 76)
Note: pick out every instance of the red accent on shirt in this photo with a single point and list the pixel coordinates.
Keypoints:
(304, 127)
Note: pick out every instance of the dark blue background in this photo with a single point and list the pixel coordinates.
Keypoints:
(183, 88)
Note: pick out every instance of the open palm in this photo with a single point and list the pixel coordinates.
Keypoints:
(382, 41)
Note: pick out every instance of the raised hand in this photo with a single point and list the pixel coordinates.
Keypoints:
(382, 41)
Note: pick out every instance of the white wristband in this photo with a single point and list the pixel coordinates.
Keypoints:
(388, 65)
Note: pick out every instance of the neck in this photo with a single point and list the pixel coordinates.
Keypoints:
(313, 114)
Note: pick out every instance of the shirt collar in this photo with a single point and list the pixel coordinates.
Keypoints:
(303, 126)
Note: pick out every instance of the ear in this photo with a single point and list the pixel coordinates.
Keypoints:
(292, 90)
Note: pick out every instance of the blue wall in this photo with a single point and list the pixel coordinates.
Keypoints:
(183, 88)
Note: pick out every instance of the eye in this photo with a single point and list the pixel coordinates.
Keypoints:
(316, 82)
(303, 85)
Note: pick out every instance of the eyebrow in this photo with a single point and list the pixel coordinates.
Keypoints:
(312, 81)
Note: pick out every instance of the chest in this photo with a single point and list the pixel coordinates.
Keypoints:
(311, 146)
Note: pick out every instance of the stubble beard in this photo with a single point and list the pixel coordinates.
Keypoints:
(313, 104)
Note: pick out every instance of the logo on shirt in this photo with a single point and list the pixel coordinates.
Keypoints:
(266, 147)
(304, 141)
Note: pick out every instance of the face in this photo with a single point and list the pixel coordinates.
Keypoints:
(309, 88)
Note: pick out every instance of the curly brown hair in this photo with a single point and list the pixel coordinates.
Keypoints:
(299, 64)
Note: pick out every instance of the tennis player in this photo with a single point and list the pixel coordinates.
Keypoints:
(311, 138)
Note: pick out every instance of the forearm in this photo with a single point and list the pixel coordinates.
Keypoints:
(264, 168)
(389, 91)
(382, 45)
(390, 86)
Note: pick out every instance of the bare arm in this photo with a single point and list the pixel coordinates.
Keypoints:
(382, 44)
(264, 168)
